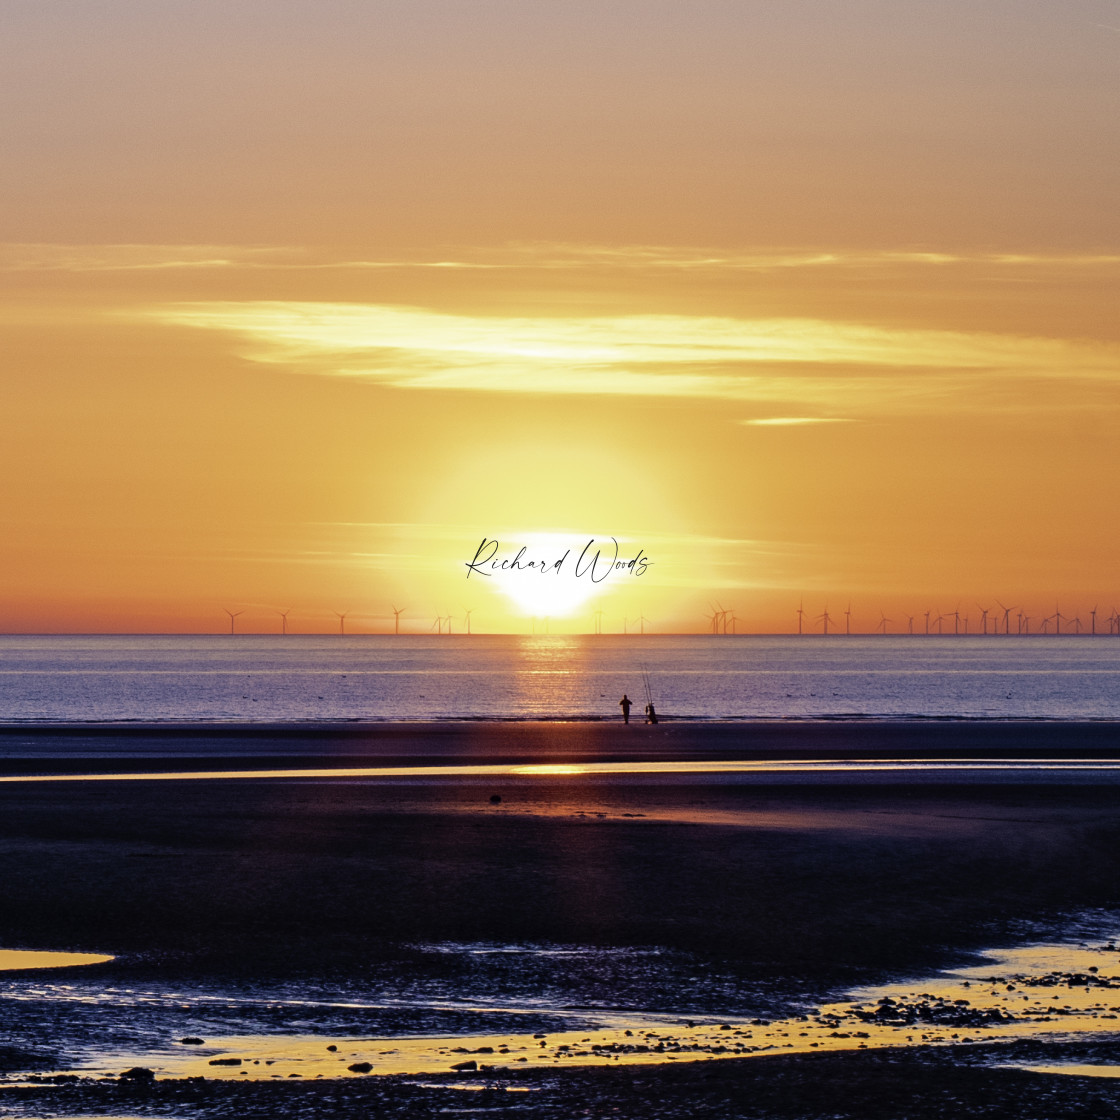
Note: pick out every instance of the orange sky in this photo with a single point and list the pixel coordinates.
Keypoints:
(805, 302)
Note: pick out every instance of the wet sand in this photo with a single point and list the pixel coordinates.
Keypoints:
(816, 888)
(61, 748)
(816, 879)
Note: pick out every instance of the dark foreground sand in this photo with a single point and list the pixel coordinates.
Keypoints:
(818, 887)
(91, 748)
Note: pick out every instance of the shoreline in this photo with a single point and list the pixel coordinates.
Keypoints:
(359, 725)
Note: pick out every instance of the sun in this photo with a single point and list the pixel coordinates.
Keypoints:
(549, 575)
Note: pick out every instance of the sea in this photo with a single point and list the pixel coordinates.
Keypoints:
(240, 679)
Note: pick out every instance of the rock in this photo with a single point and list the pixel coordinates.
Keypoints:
(332, 1048)
(138, 1073)
(360, 1067)
(495, 799)
(225, 1061)
(471, 1065)
(190, 1040)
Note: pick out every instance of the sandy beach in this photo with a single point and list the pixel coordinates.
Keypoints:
(799, 891)
(112, 747)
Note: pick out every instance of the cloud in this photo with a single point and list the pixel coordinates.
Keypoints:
(809, 368)
(530, 256)
(686, 258)
(794, 421)
(34, 257)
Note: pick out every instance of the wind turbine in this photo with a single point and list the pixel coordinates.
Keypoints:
(468, 617)
(397, 612)
(721, 625)
(800, 612)
(937, 622)
(232, 616)
(848, 620)
(1006, 618)
(956, 621)
(643, 620)
(983, 618)
(883, 620)
(825, 618)
(717, 618)
(284, 620)
(1093, 617)
(909, 624)
(437, 622)
(598, 616)
(928, 613)
(341, 621)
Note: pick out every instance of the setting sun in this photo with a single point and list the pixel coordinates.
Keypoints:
(550, 575)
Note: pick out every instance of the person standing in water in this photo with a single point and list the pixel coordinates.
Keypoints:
(651, 715)
(624, 704)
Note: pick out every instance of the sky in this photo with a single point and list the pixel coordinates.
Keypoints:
(307, 307)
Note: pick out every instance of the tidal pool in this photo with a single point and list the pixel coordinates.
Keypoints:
(1027, 993)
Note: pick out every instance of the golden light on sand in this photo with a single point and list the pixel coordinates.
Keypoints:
(550, 770)
(12, 959)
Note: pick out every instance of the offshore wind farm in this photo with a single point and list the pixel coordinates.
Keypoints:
(719, 620)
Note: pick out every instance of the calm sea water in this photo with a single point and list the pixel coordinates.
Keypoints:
(265, 679)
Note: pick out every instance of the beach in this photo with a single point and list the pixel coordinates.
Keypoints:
(747, 896)
(60, 747)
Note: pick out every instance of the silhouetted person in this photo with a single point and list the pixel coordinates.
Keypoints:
(624, 704)
(651, 715)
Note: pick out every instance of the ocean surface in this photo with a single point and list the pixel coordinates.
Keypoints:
(238, 679)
